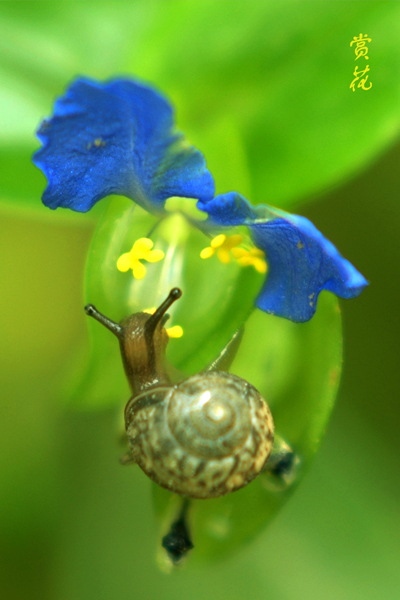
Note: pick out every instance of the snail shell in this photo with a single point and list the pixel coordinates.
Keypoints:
(205, 437)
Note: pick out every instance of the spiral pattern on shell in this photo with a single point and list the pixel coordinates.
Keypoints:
(203, 438)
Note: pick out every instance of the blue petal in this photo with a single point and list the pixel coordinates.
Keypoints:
(301, 261)
(117, 138)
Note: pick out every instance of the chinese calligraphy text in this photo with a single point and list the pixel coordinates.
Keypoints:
(360, 50)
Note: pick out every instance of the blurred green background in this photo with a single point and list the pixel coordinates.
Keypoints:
(262, 88)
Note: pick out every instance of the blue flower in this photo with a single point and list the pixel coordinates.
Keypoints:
(119, 138)
(301, 261)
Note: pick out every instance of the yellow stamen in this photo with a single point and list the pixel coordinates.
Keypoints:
(232, 241)
(175, 332)
(222, 244)
(224, 256)
(260, 265)
(141, 250)
(124, 263)
(225, 246)
(239, 252)
(155, 256)
(254, 257)
(138, 270)
(207, 252)
(218, 241)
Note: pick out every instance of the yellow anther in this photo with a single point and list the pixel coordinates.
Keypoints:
(224, 256)
(239, 252)
(222, 244)
(218, 241)
(232, 241)
(138, 270)
(254, 257)
(141, 250)
(207, 252)
(225, 246)
(124, 263)
(175, 332)
(260, 265)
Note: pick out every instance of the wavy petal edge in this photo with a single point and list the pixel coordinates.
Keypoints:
(301, 261)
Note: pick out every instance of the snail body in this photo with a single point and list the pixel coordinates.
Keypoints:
(203, 437)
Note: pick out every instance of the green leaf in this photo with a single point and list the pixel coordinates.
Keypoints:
(282, 72)
(297, 369)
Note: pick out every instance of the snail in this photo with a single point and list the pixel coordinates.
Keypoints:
(203, 437)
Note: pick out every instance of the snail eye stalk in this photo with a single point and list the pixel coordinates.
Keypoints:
(155, 318)
(92, 311)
